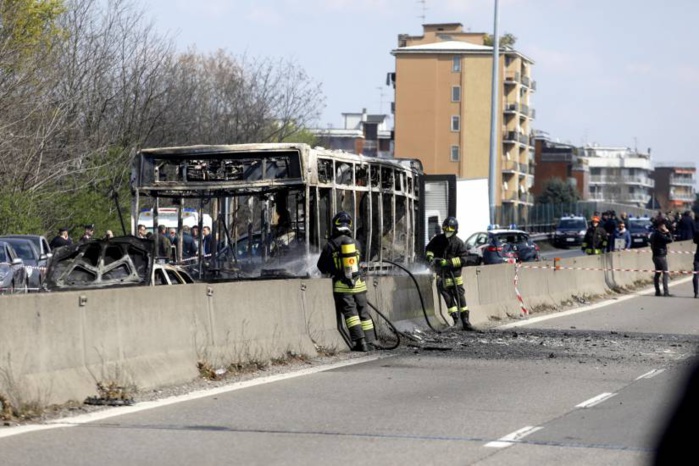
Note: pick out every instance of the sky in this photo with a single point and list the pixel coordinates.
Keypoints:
(610, 72)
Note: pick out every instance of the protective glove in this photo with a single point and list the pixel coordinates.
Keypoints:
(443, 262)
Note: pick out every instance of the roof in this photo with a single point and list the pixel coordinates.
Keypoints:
(446, 46)
(456, 46)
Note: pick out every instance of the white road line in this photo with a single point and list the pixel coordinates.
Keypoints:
(513, 438)
(650, 374)
(119, 411)
(596, 400)
(591, 307)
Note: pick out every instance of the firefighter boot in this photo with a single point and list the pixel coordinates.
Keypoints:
(466, 323)
(455, 316)
(360, 345)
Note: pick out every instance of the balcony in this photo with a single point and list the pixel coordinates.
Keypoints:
(532, 113)
(626, 198)
(684, 197)
(509, 166)
(509, 197)
(526, 81)
(630, 180)
(511, 107)
(526, 198)
(681, 181)
(512, 78)
(524, 110)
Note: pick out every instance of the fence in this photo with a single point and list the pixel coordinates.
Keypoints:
(543, 218)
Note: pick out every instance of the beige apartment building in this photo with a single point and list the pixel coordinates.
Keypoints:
(442, 85)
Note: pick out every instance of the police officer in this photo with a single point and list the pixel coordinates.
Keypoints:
(340, 259)
(695, 278)
(659, 240)
(446, 254)
(89, 231)
(595, 240)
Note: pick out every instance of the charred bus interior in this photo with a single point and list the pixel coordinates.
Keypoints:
(271, 205)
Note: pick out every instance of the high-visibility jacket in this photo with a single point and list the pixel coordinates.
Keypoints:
(340, 259)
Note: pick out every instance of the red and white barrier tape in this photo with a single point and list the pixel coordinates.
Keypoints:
(608, 269)
(522, 308)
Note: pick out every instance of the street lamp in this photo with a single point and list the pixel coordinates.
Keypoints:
(494, 117)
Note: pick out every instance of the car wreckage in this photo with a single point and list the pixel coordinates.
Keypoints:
(120, 261)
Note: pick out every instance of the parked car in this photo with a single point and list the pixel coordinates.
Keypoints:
(41, 243)
(570, 231)
(34, 262)
(640, 229)
(13, 275)
(498, 246)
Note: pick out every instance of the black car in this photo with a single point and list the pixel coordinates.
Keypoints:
(501, 246)
(570, 231)
(640, 229)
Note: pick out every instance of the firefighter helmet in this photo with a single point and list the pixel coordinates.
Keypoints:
(342, 221)
(450, 225)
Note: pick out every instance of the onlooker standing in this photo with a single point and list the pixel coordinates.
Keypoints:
(108, 234)
(622, 238)
(685, 227)
(695, 278)
(659, 240)
(164, 243)
(61, 239)
(141, 231)
(206, 240)
(609, 225)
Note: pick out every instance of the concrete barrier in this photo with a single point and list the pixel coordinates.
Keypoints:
(55, 347)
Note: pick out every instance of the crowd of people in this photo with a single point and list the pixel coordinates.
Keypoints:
(608, 233)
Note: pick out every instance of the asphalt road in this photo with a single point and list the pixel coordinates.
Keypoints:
(583, 388)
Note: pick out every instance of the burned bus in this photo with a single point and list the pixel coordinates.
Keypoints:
(271, 204)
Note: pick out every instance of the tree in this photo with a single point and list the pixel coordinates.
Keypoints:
(508, 40)
(557, 191)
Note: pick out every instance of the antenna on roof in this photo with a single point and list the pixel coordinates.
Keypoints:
(423, 16)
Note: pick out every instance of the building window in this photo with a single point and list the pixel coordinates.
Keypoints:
(456, 93)
(456, 64)
(454, 153)
(455, 123)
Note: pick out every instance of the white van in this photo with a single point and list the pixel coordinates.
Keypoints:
(168, 216)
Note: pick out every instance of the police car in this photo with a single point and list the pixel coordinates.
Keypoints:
(640, 229)
(570, 231)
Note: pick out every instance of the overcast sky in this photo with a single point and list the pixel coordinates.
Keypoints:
(611, 72)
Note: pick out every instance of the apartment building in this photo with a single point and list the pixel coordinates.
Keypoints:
(555, 159)
(442, 110)
(362, 133)
(618, 174)
(674, 185)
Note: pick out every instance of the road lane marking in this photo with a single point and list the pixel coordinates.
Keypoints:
(650, 374)
(513, 438)
(142, 406)
(596, 400)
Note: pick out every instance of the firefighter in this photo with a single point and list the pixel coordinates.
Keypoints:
(446, 254)
(340, 259)
(595, 241)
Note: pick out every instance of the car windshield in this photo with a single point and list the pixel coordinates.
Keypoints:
(572, 224)
(24, 249)
(639, 224)
(3, 256)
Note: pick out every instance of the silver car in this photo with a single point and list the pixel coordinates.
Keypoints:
(13, 275)
(34, 262)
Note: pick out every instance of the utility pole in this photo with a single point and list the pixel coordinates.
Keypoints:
(494, 116)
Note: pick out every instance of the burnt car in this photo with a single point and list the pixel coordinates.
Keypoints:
(121, 261)
(13, 275)
(34, 262)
